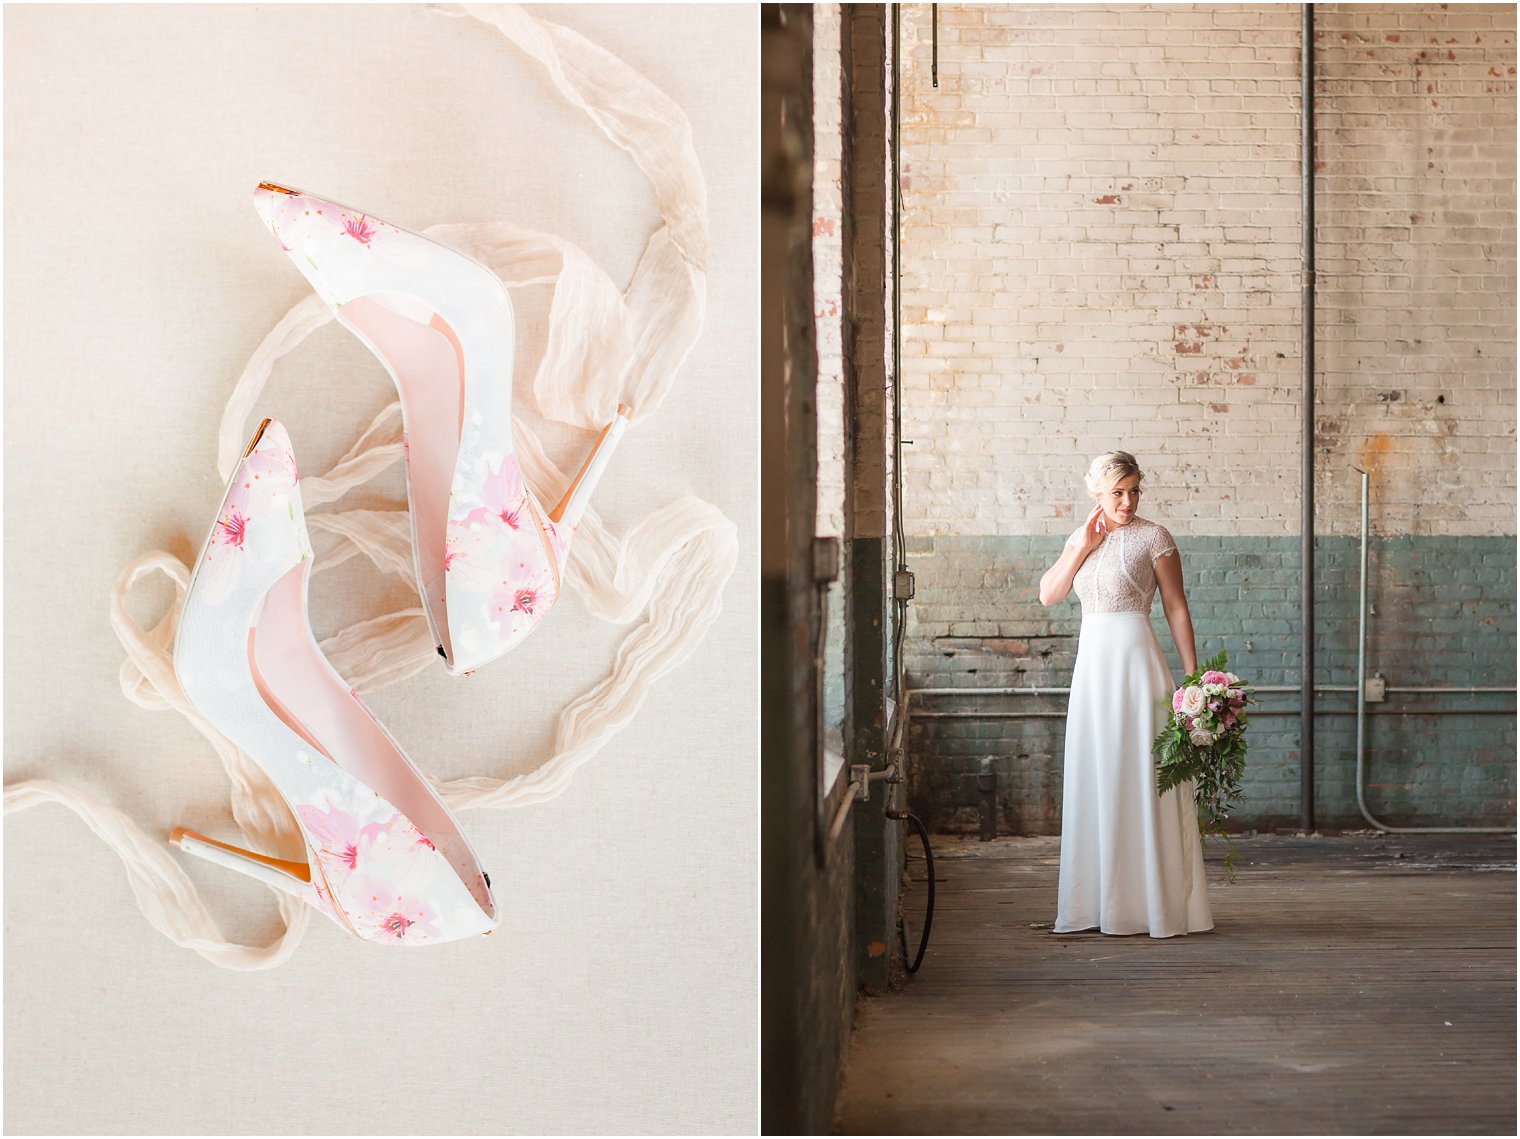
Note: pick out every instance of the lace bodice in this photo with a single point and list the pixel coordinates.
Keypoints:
(1120, 575)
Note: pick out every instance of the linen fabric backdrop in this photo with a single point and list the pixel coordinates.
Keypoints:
(619, 996)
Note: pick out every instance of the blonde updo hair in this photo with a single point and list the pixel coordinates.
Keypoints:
(1108, 468)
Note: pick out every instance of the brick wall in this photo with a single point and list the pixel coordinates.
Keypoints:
(1443, 612)
(1417, 266)
(1101, 249)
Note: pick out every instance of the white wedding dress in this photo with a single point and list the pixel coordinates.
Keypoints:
(1131, 861)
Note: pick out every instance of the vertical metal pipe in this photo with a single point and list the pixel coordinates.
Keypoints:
(1361, 661)
(899, 539)
(897, 752)
(934, 49)
(1306, 524)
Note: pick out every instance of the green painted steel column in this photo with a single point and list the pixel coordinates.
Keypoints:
(866, 162)
(878, 839)
(808, 993)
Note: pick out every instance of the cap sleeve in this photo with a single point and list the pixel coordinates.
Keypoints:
(1161, 543)
(1075, 537)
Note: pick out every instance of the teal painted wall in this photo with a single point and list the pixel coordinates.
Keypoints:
(1445, 614)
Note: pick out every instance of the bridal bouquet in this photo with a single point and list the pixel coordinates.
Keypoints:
(1205, 740)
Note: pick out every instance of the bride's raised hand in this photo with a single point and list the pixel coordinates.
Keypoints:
(1094, 530)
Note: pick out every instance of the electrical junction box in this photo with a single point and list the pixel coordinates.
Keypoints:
(902, 585)
(1377, 689)
(825, 560)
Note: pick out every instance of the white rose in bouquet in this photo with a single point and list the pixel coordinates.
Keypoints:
(1201, 737)
(1192, 700)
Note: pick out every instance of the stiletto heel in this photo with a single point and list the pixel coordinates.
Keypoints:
(489, 558)
(291, 877)
(567, 512)
(385, 857)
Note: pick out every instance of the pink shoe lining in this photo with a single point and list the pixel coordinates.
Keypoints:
(301, 688)
(428, 364)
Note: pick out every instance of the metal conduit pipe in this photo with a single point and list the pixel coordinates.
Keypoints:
(962, 714)
(861, 778)
(897, 706)
(1361, 706)
(841, 812)
(1306, 444)
(1462, 690)
(1425, 688)
(897, 702)
(899, 535)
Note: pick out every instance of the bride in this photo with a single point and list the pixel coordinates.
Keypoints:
(1131, 861)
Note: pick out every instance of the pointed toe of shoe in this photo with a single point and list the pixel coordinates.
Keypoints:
(284, 212)
(271, 439)
(267, 194)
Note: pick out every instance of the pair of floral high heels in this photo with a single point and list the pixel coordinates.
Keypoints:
(385, 857)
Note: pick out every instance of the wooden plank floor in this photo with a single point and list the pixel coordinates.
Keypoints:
(1360, 984)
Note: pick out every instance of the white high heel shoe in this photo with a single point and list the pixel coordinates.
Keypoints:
(489, 557)
(385, 857)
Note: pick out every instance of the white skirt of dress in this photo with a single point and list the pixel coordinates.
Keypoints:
(1131, 861)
